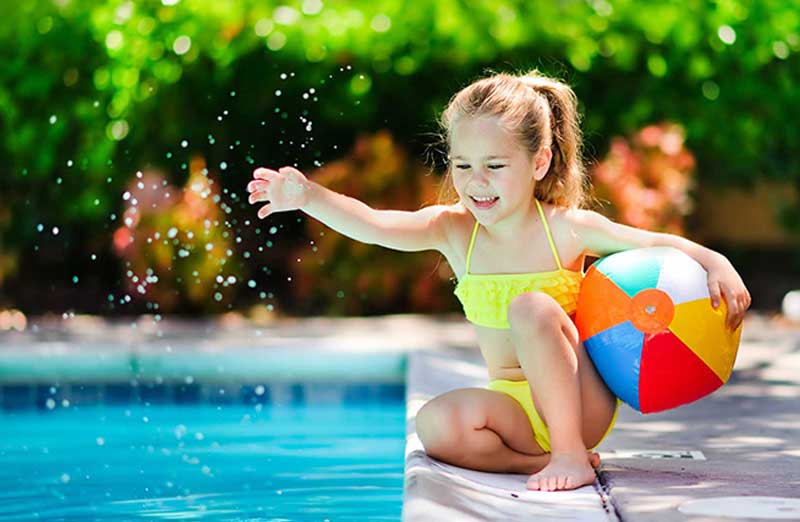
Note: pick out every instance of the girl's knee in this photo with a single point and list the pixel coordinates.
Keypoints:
(438, 426)
(534, 312)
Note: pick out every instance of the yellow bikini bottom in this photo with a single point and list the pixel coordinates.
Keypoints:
(521, 392)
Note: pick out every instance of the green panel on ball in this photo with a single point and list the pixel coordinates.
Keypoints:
(634, 270)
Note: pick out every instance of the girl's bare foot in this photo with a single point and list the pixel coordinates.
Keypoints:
(565, 471)
(594, 459)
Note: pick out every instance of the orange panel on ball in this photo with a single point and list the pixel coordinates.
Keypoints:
(601, 304)
(651, 311)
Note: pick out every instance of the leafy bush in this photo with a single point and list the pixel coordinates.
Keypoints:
(334, 274)
(91, 91)
(175, 247)
(648, 179)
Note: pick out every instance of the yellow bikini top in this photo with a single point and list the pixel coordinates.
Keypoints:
(485, 297)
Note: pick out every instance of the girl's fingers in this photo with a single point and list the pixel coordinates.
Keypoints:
(264, 211)
(737, 312)
(257, 184)
(255, 197)
(265, 174)
(714, 291)
(284, 170)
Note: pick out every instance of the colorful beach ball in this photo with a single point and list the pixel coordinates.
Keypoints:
(645, 318)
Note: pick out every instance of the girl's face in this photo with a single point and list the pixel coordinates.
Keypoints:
(493, 175)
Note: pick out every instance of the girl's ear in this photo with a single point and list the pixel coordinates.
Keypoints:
(542, 163)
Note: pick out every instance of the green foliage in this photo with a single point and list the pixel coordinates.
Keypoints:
(91, 92)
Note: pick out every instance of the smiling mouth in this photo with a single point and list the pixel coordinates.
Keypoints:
(483, 202)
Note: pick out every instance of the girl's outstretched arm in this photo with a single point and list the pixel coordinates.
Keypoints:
(288, 189)
(600, 236)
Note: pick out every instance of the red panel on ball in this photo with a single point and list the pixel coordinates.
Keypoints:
(671, 374)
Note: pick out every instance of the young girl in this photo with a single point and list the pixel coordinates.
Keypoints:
(516, 239)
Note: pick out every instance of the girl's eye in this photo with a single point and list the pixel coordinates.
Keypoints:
(493, 167)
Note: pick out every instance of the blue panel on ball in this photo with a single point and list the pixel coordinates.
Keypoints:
(617, 355)
(634, 270)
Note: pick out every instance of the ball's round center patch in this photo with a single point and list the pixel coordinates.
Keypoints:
(651, 311)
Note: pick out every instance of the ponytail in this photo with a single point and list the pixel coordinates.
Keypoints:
(566, 165)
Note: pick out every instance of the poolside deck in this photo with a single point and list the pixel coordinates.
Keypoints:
(729, 449)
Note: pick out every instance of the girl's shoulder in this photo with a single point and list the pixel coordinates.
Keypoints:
(458, 224)
(564, 224)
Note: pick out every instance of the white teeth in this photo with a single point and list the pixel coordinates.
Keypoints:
(476, 198)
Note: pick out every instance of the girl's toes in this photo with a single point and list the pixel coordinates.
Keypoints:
(537, 483)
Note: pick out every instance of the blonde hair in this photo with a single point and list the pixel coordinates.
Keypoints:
(538, 111)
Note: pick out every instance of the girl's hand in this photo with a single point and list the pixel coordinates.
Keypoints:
(724, 282)
(284, 189)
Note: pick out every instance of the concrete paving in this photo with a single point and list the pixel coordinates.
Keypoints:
(748, 432)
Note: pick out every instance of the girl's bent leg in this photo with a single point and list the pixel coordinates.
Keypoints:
(548, 355)
(499, 446)
(480, 429)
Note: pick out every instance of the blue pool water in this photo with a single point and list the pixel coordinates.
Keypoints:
(232, 462)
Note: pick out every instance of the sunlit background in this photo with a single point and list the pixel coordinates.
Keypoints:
(129, 130)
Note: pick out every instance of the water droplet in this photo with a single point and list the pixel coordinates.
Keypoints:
(184, 144)
(218, 296)
(53, 119)
(55, 231)
(101, 441)
(251, 284)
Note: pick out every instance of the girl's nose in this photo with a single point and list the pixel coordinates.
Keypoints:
(480, 178)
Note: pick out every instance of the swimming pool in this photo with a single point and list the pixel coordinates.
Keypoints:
(284, 452)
